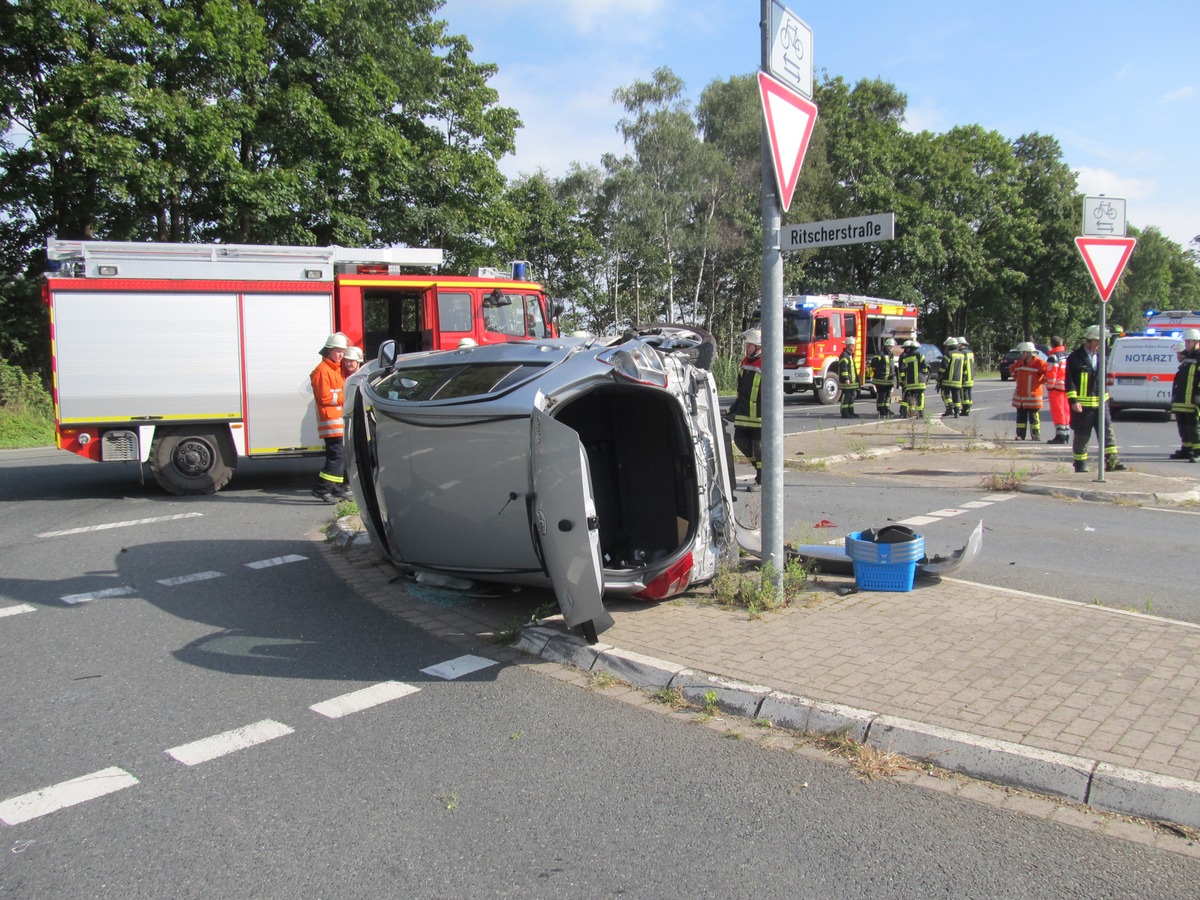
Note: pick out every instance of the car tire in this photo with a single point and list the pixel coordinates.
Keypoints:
(698, 343)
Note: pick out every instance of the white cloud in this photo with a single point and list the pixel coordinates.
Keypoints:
(1187, 92)
(1094, 181)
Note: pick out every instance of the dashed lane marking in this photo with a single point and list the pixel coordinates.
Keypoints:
(105, 527)
(20, 809)
(946, 513)
(456, 668)
(97, 595)
(219, 745)
(188, 579)
(16, 610)
(918, 520)
(276, 561)
(356, 701)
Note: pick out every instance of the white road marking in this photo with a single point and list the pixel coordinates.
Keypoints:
(218, 745)
(275, 561)
(946, 513)
(919, 520)
(16, 610)
(20, 809)
(976, 504)
(97, 595)
(188, 579)
(155, 520)
(456, 668)
(997, 498)
(357, 701)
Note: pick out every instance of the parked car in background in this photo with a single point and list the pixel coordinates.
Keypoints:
(933, 358)
(587, 465)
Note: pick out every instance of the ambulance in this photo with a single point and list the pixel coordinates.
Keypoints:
(1140, 369)
(189, 357)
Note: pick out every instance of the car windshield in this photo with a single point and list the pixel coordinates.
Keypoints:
(454, 381)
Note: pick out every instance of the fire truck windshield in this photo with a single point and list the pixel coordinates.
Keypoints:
(797, 328)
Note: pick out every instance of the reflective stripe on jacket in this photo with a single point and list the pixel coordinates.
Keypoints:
(952, 369)
(968, 367)
(1029, 375)
(848, 370)
(328, 385)
(883, 368)
(1056, 369)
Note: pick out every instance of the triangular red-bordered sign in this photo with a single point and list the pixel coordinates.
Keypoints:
(790, 120)
(1105, 259)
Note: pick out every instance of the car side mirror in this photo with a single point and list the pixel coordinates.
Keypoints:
(387, 354)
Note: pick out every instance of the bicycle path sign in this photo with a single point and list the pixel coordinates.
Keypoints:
(1103, 216)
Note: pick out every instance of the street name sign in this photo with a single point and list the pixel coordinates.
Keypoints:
(790, 120)
(791, 50)
(1105, 259)
(1104, 216)
(838, 232)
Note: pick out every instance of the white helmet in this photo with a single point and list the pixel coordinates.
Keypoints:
(354, 354)
(888, 342)
(851, 341)
(911, 343)
(752, 336)
(465, 343)
(336, 341)
(950, 342)
(1191, 334)
(1093, 333)
(1026, 347)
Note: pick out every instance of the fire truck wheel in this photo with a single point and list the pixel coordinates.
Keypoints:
(192, 460)
(827, 391)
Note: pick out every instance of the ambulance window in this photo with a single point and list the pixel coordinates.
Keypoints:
(454, 311)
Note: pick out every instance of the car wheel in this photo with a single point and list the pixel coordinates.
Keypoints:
(696, 343)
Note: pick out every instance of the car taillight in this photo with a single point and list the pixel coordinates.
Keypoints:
(671, 582)
(637, 362)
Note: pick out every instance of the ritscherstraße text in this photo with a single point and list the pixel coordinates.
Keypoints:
(834, 232)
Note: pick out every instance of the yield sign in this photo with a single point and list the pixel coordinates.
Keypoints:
(790, 120)
(1105, 259)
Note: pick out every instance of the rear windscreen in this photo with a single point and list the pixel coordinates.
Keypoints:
(419, 383)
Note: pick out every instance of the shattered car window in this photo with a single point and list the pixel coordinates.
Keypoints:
(455, 381)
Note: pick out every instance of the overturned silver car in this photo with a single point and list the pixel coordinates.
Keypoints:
(586, 465)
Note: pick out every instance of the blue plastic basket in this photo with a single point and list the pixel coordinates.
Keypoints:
(884, 576)
(884, 567)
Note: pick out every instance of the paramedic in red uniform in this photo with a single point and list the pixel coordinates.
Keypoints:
(1056, 384)
(328, 384)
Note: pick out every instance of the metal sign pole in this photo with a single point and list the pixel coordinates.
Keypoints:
(771, 322)
(1103, 386)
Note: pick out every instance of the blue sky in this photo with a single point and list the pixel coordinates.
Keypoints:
(1118, 84)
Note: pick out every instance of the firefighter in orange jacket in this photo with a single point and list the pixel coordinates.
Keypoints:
(328, 384)
(1029, 374)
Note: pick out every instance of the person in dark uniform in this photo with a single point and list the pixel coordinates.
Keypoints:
(882, 369)
(912, 371)
(747, 408)
(1185, 396)
(1089, 402)
(848, 379)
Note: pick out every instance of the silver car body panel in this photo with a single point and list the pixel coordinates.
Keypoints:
(454, 483)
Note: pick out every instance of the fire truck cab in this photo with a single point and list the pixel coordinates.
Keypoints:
(189, 357)
(815, 328)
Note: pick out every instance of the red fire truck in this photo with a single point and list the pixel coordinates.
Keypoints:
(815, 328)
(189, 357)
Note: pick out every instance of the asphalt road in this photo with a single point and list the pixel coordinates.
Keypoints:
(195, 669)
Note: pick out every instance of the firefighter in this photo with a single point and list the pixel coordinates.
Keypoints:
(1029, 376)
(848, 379)
(882, 367)
(747, 411)
(352, 361)
(912, 372)
(1056, 384)
(328, 383)
(968, 383)
(1185, 396)
(950, 375)
(1089, 401)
